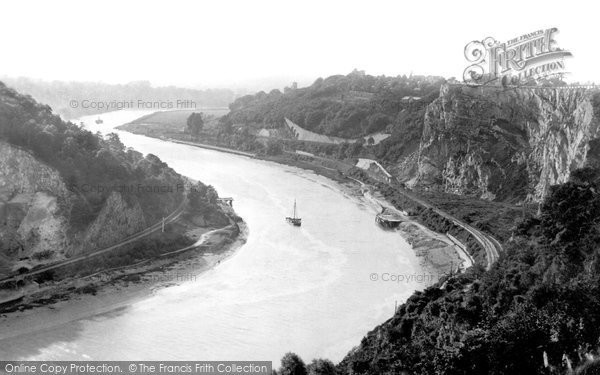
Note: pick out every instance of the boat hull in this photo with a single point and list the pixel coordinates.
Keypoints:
(387, 222)
(294, 221)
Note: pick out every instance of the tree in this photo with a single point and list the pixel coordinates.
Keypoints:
(195, 123)
(114, 142)
(274, 147)
(225, 127)
(292, 364)
(197, 197)
(321, 367)
(378, 122)
(355, 148)
(211, 195)
(342, 150)
(313, 119)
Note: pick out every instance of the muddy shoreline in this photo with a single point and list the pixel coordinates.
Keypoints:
(73, 299)
(438, 255)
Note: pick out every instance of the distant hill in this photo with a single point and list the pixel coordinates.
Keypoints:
(494, 143)
(348, 106)
(59, 95)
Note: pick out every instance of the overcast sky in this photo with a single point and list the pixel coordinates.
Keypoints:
(244, 43)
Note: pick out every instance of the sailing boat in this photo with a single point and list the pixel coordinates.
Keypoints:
(295, 221)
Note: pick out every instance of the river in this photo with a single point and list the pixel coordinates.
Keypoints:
(306, 290)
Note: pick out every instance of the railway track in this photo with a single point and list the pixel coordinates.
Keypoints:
(173, 216)
(490, 245)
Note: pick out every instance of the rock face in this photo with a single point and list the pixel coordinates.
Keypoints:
(34, 209)
(116, 220)
(65, 191)
(20, 172)
(43, 227)
(504, 143)
(30, 219)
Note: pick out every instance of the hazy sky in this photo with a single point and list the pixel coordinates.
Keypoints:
(242, 43)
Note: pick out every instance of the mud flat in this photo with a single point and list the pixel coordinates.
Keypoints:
(74, 299)
(438, 255)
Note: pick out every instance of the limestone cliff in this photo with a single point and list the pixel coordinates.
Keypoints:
(116, 220)
(30, 218)
(65, 191)
(34, 210)
(504, 143)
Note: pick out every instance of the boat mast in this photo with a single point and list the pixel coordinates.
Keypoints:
(294, 209)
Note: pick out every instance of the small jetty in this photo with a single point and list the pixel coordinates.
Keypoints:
(388, 220)
(228, 201)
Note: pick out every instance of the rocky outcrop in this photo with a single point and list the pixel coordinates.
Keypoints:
(504, 143)
(116, 220)
(21, 172)
(31, 221)
(43, 227)
(34, 214)
(66, 191)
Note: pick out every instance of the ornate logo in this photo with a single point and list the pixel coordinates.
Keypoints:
(528, 57)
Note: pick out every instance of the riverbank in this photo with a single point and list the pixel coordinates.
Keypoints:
(280, 292)
(438, 255)
(75, 299)
(211, 147)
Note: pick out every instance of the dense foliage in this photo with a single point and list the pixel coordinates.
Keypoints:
(194, 124)
(540, 300)
(345, 106)
(349, 107)
(91, 166)
(292, 364)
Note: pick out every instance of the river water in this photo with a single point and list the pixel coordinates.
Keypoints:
(306, 290)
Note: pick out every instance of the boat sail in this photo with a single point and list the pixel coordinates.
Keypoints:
(294, 220)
